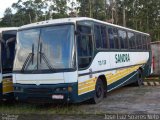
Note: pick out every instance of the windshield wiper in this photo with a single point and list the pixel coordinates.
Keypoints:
(42, 55)
(29, 59)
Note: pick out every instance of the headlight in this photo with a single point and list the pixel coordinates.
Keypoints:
(61, 89)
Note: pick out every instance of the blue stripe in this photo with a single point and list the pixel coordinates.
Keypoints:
(128, 79)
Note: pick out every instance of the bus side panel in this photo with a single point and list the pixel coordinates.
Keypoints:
(119, 68)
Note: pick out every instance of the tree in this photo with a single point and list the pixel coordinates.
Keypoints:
(93, 8)
(7, 19)
(57, 8)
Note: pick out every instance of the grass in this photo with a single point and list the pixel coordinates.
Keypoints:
(23, 108)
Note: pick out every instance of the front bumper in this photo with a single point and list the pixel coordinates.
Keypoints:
(44, 93)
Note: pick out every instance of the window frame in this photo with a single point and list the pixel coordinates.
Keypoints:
(92, 40)
(94, 37)
(144, 41)
(133, 42)
(111, 27)
(125, 44)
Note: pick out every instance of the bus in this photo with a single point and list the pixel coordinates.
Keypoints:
(7, 52)
(77, 59)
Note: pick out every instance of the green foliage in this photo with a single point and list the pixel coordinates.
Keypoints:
(141, 15)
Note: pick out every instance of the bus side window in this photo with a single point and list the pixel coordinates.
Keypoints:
(116, 39)
(100, 36)
(123, 39)
(111, 38)
(104, 36)
(84, 47)
(131, 38)
(134, 41)
(144, 42)
(148, 43)
(139, 40)
(97, 33)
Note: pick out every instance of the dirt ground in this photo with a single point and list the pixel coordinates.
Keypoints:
(126, 100)
(129, 100)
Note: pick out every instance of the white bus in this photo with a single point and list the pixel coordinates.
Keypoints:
(77, 59)
(7, 52)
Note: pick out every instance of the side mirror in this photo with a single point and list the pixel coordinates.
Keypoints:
(13, 39)
(2, 41)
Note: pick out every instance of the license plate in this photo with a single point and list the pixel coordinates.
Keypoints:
(57, 97)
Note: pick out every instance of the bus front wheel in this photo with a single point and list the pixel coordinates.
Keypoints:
(99, 92)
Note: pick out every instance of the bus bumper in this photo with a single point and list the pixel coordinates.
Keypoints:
(56, 93)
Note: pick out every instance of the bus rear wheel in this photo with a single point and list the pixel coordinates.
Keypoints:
(99, 92)
(139, 81)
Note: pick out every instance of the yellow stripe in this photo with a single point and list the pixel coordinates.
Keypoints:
(120, 74)
(86, 86)
(89, 85)
(7, 85)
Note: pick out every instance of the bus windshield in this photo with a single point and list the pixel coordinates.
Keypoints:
(45, 49)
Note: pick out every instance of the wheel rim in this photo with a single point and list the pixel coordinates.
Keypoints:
(99, 91)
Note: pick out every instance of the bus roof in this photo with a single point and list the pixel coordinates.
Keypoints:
(8, 28)
(72, 20)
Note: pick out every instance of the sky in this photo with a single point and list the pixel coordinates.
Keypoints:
(5, 4)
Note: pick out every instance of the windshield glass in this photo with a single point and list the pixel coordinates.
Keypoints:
(25, 40)
(50, 48)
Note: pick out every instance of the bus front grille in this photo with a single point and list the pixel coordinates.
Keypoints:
(39, 91)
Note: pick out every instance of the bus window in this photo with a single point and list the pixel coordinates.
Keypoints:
(84, 29)
(111, 38)
(104, 37)
(131, 38)
(97, 32)
(116, 41)
(84, 48)
(139, 41)
(144, 42)
(123, 39)
(100, 36)
(148, 43)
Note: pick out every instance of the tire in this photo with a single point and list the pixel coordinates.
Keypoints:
(140, 79)
(99, 92)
